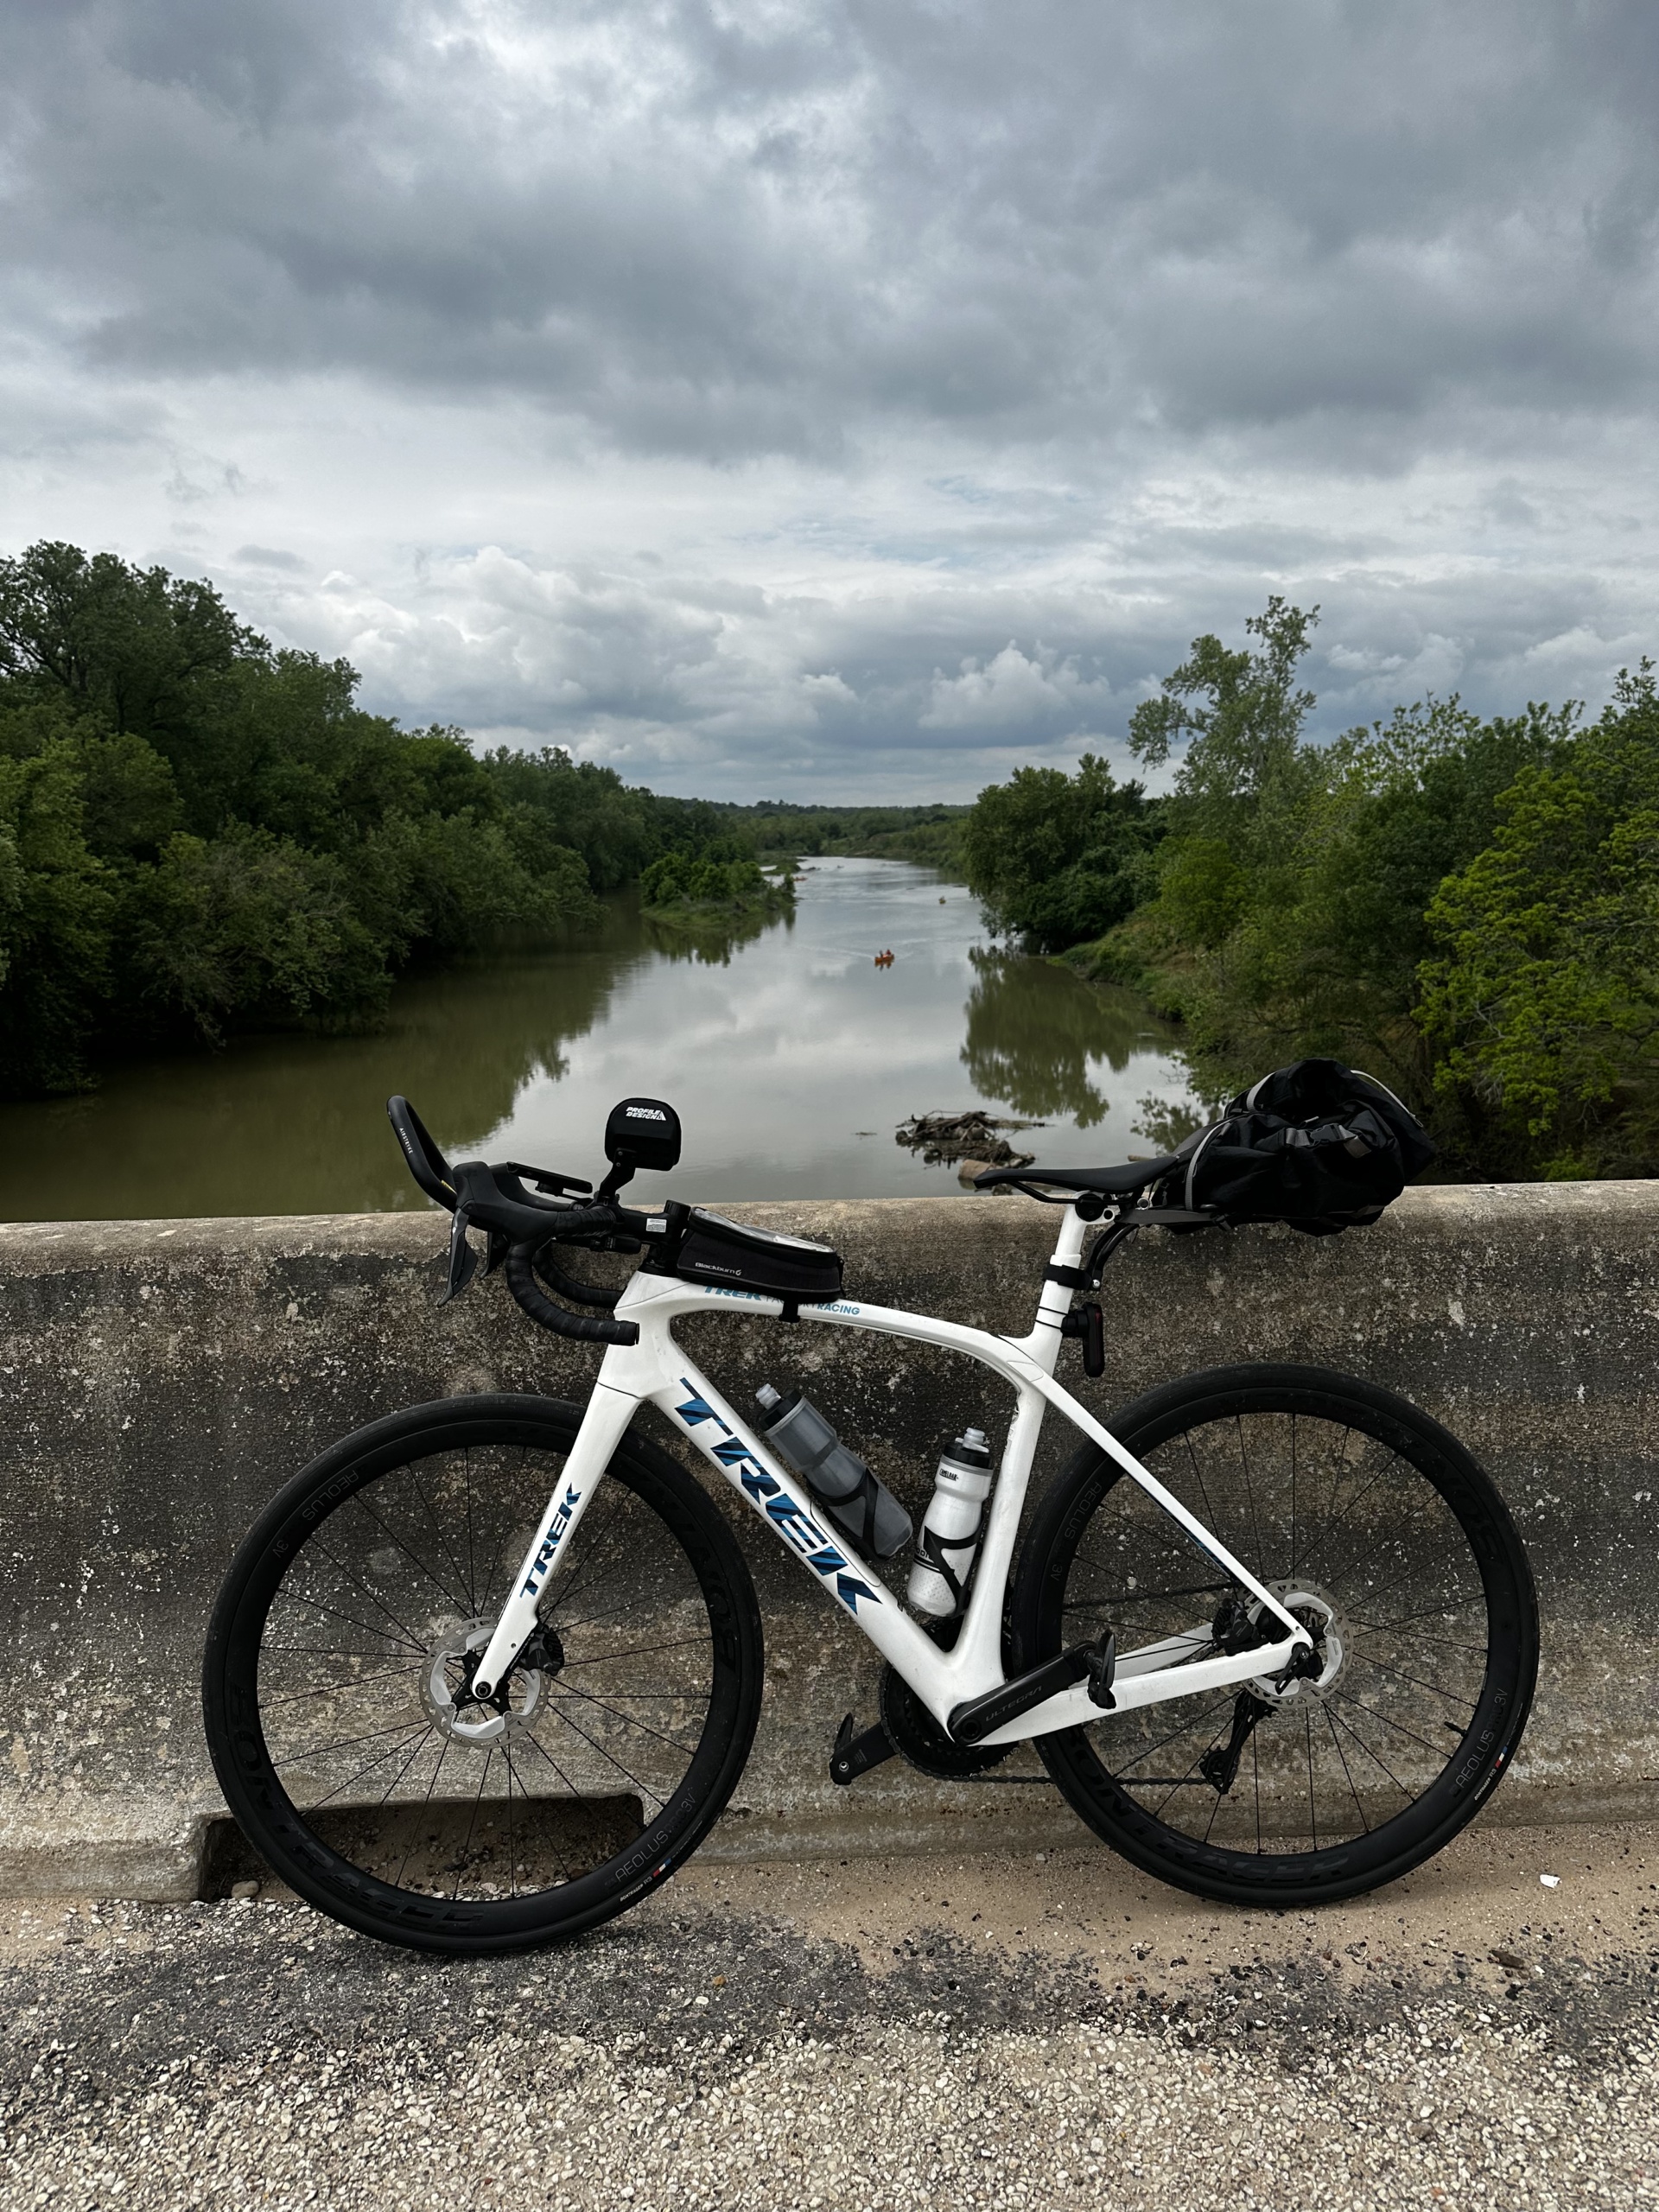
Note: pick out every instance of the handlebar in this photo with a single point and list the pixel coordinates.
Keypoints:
(521, 1225)
(586, 1328)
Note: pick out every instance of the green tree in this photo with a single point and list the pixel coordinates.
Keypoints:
(56, 911)
(249, 927)
(198, 832)
(1057, 859)
(731, 881)
(1245, 770)
(1310, 942)
(1542, 995)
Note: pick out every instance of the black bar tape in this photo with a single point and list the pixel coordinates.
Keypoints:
(586, 1328)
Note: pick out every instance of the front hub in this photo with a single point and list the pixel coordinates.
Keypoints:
(446, 1684)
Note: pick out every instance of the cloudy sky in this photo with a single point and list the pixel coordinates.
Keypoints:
(851, 398)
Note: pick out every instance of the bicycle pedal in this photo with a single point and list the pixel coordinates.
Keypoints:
(857, 1755)
(1102, 1671)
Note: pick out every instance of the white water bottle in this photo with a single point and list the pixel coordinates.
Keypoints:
(950, 1529)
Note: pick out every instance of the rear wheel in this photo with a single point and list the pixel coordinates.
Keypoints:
(342, 1650)
(1375, 1529)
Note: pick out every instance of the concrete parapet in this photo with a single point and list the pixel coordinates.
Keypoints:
(159, 1380)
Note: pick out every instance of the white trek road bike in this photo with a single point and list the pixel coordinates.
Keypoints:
(487, 1671)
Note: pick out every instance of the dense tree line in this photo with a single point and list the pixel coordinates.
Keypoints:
(1468, 908)
(930, 833)
(198, 832)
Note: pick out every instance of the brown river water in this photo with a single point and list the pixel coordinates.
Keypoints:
(791, 1057)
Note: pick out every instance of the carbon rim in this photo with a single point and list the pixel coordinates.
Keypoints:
(350, 1750)
(1395, 1551)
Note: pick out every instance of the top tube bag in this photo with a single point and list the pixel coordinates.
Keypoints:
(1315, 1144)
(704, 1247)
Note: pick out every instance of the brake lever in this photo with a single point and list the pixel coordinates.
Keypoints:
(463, 1261)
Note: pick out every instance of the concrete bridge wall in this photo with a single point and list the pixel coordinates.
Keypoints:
(158, 1381)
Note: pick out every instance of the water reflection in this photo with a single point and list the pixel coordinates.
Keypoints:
(710, 940)
(1033, 1029)
(791, 1058)
(297, 1124)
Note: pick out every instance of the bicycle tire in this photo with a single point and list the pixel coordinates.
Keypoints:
(1456, 1556)
(605, 1812)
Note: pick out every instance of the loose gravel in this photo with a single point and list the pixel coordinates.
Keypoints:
(1050, 2031)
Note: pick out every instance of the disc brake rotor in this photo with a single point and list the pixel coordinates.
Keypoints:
(1306, 1603)
(446, 1683)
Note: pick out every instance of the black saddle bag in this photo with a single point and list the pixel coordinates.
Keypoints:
(1316, 1144)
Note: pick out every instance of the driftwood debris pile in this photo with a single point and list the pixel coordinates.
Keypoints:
(944, 1139)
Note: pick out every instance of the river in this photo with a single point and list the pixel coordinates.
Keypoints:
(791, 1057)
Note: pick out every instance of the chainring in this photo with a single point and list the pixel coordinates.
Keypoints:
(916, 1736)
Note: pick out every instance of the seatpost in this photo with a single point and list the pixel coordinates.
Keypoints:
(1061, 1277)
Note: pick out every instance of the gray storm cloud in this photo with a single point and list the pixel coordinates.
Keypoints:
(847, 396)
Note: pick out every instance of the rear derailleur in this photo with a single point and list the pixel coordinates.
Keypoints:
(1237, 1627)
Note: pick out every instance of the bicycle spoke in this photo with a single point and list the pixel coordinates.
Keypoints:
(512, 1832)
(588, 1698)
(1375, 1756)
(349, 1743)
(1121, 1774)
(324, 1651)
(635, 1651)
(317, 1606)
(419, 1727)
(461, 1856)
(416, 1818)
(593, 1745)
(1292, 1494)
(529, 1797)
(1149, 1596)
(1191, 1771)
(1393, 1628)
(373, 1597)
(1300, 1492)
(472, 1553)
(559, 1771)
(1452, 1697)
(1343, 1756)
(464, 1580)
(1209, 1509)
(1388, 1721)
(356, 1682)
(1249, 1496)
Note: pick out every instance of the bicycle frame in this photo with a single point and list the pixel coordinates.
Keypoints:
(657, 1371)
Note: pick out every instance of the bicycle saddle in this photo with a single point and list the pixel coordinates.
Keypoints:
(1112, 1182)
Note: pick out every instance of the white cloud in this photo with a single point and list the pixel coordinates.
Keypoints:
(826, 398)
(1012, 693)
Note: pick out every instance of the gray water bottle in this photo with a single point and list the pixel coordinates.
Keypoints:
(863, 1508)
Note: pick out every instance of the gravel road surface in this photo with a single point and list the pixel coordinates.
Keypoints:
(1045, 2032)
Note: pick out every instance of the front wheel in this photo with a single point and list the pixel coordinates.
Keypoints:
(342, 1650)
(1373, 1527)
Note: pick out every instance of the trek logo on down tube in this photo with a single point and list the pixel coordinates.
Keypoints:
(799, 1529)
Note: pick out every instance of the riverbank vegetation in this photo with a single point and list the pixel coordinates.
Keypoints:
(720, 883)
(199, 833)
(929, 835)
(1467, 908)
